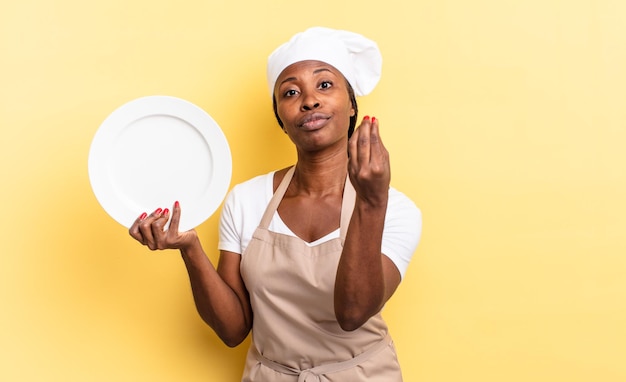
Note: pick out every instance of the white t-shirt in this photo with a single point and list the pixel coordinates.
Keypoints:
(246, 203)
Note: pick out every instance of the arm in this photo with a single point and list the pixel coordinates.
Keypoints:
(366, 278)
(219, 294)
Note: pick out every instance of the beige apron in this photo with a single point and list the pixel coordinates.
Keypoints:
(295, 335)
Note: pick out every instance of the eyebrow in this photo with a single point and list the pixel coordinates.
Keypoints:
(316, 71)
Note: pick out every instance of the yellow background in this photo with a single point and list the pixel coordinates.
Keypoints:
(506, 125)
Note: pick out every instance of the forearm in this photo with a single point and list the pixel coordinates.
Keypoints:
(360, 282)
(216, 302)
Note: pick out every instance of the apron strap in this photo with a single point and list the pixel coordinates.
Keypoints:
(347, 204)
(313, 374)
(275, 201)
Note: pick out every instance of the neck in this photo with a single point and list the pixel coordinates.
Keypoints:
(320, 174)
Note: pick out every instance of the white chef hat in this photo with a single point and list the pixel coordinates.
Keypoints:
(356, 57)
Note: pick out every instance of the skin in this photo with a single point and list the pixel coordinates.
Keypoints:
(314, 106)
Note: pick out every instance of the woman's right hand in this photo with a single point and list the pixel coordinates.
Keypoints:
(150, 230)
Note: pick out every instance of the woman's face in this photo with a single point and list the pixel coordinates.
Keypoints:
(313, 102)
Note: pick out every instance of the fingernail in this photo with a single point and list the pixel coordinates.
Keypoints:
(176, 204)
(166, 211)
(373, 119)
(143, 216)
(158, 211)
(366, 117)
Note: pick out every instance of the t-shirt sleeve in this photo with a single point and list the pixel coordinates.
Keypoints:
(242, 211)
(403, 229)
(229, 237)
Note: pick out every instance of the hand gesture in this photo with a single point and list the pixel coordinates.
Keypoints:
(150, 230)
(368, 164)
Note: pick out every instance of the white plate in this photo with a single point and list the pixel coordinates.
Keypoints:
(154, 151)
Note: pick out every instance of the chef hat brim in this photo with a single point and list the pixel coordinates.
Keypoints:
(355, 56)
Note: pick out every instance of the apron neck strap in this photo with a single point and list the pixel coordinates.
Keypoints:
(347, 204)
(275, 201)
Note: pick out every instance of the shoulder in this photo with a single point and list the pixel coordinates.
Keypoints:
(403, 216)
(253, 184)
(242, 212)
(261, 186)
(403, 229)
(245, 199)
(402, 204)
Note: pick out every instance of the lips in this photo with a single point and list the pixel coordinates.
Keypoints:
(313, 121)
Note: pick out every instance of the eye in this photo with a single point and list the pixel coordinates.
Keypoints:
(326, 85)
(290, 93)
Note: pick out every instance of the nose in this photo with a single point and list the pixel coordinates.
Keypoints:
(310, 102)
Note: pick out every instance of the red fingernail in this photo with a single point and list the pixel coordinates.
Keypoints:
(143, 216)
(373, 119)
(176, 204)
(158, 211)
(366, 117)
(166, 211)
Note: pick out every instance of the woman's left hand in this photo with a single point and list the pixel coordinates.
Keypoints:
(368, 164)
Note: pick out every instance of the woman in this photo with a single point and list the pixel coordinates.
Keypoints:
(309, 254)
